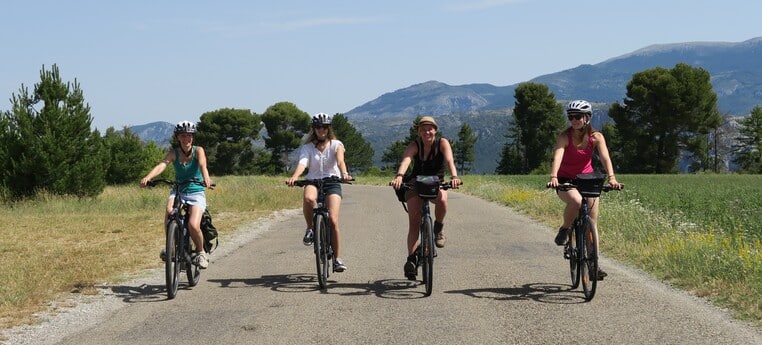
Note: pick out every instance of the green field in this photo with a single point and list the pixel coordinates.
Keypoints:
(700, 233)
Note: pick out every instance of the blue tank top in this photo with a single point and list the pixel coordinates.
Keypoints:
(188, 171)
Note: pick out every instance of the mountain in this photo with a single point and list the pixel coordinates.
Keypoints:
(736, 75)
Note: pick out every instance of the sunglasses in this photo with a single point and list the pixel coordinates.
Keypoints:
(575, 116)
(320, 127)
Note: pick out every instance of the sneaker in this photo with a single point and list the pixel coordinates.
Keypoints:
(163, 254)
(339, 266)
(601, 274)
(411, 267)
(201, 260)
(440, 239)
(562, 236)
(308, 235)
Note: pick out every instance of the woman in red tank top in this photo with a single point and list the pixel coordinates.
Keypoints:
(573, 155)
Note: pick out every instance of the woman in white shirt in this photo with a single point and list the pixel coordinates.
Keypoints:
(323, 156)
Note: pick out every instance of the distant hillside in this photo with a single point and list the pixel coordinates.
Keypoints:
(735, 69)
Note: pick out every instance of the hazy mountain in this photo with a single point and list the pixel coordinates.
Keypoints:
(159, 132)
(735, 69)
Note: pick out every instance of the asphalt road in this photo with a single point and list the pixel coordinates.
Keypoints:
(499, 280)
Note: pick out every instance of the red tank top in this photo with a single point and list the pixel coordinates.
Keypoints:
(576, 161)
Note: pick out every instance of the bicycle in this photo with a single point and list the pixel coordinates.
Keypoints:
(179, 250)
(322, 231)
(427, 187)
(581, 249)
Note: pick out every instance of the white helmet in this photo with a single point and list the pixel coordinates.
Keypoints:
(579, 106)
(321, 119)
(185, 127)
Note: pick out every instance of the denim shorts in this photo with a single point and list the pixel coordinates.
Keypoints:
(193, 199)
(332, 188)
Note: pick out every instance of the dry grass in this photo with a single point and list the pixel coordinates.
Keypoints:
(57, 245)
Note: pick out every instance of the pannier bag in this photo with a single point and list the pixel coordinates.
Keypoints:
(210, 232)
(590, 185)
(427, 186)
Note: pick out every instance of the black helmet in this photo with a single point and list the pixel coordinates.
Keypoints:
(321, 119)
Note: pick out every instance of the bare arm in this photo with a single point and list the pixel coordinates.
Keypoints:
(342, 163)
(201, 156)
(159, 168)
(603, 152)
(407, 157)
(558, 155)
(446, 148)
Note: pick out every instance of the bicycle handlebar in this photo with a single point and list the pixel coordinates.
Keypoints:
(565, 187)
(332, 179)
(442, 185)
(153, 183)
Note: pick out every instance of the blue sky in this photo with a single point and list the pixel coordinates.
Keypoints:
(143, 61)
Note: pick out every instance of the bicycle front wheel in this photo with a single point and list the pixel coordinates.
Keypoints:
(573, 256)
(172, 264)
(427, 250)
(589, 260)
(321, 245)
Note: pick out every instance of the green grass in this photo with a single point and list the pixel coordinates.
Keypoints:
(699, 232)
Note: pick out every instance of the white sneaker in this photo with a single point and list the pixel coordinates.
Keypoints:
(201, 260)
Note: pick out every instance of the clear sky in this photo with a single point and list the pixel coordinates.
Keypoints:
(161, 60)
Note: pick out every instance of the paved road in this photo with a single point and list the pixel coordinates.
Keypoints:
(500, 280)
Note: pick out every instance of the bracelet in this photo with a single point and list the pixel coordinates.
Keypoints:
(610, 176)
(399, 175)
(553, 176)
(453, 177)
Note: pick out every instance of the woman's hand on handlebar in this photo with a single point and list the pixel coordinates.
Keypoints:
(396, 182)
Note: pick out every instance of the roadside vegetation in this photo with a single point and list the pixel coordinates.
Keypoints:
(701, 233)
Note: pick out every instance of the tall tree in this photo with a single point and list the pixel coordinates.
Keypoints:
(227, 136)
(464, 149)
(129, 158)
(54, 148)
(359, 152)
(538, 119)
(666, 112)
(749, 149)
(393, 153)
(286, 126)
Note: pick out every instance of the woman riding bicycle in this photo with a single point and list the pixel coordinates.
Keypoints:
(189, 162)
(323, 156)
(573, 155)
(429, 156)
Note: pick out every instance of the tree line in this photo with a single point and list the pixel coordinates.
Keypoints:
(47, 144)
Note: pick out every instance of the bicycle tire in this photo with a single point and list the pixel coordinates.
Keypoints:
(427, 252)
(574, 256)
(172, 264)
(589, 260)
(192, 271)
(321, 244)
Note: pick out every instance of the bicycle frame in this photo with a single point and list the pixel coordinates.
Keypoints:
(322, 229)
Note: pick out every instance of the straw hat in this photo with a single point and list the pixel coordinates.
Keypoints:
(427, 120)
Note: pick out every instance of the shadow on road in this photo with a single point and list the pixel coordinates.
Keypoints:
(143, 293)
(301, 282)
(538, 292)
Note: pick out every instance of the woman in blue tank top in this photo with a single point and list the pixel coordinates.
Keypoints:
(189, 161)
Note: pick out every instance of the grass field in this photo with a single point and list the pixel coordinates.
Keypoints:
(699, 232)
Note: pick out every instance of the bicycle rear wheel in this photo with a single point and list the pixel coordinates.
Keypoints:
(320, 242)
(589, 262)
(427, 250)
(192, 271)
(573, 256)
(172, 264)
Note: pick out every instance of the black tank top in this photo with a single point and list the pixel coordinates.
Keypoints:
(433, 165)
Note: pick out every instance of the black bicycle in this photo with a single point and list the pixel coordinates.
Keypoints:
(581, 249)
(322, 231)
(427, 187)
(179, 250)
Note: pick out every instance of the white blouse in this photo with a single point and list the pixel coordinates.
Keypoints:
(320, 164)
